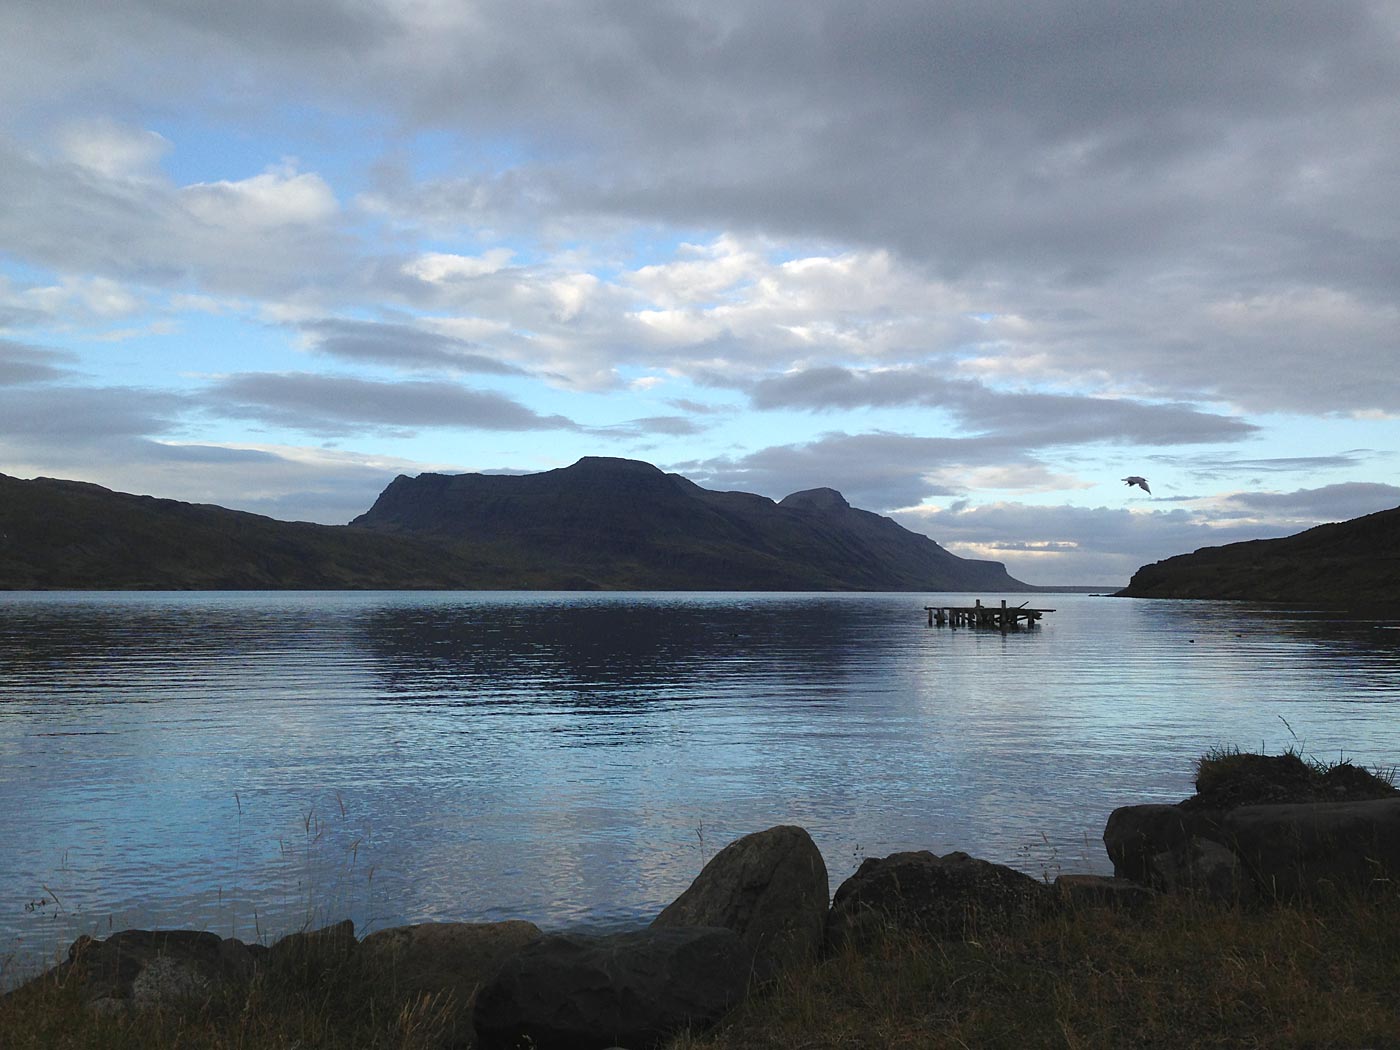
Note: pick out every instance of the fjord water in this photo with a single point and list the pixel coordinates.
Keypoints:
(249, 763)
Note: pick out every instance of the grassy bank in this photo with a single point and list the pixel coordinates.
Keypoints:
(1178, 974)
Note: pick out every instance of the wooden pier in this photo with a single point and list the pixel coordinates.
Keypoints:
(1000, 618)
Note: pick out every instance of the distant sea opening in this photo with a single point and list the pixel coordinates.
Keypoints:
(252, 763)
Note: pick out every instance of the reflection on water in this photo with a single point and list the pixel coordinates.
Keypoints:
(251, 762)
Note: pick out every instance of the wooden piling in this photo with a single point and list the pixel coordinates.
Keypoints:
(1003, 617)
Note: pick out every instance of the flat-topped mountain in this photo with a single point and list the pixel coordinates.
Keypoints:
(600, 524)
(627, 524)
(1348, 562)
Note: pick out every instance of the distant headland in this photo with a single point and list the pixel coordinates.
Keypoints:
(1354, 562)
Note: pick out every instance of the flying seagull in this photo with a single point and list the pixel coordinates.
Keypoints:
(1139, 482)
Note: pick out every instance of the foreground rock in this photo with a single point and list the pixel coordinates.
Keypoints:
(630, 989)
(770, 888)
(448, 961)
(1262, 826)
(136, 969)
(1299, 851)
(950, 898)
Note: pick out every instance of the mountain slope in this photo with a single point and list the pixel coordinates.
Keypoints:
(71, 535)
(1355, 561)
(626, 524)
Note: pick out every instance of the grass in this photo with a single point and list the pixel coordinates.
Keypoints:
(302, 1003)
(1181, 973)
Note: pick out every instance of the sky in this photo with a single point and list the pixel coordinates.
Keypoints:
(970, 263)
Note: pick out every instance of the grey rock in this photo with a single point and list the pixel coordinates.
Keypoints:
(951, 897)
(770, 888)
(139, 968)
(1301, 850)
(313, 958)
(569, 992)
(1135, 835)
(1205, 868)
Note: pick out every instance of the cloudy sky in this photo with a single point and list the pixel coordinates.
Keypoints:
(971, 263)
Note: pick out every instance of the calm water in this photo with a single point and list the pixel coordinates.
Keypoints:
(247, 763)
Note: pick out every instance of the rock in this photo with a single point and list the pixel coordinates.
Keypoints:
(311, 957)
(951, 897)
(1101, 891)
(1205, 868)
(1306, 849)
(770, 888)
(569, 992)
(1227, 781)
(1135, 835)
(139, 968)
(443, 959)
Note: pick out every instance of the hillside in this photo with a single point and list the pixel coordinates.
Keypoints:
(602, 523)
(71, 535)
(1349, 562)
(626, 524)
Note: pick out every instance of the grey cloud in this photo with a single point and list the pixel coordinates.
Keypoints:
(74, 220)
(873, 471)
(1076, 545)
(20, 363)
(336, 405)
(402, 346)
(674, 426)
(1328, 503)
(698, 408)
(49, 417)
(1031, 418)
(1217, 466)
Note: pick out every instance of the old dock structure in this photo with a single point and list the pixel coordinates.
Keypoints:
(1000, 618)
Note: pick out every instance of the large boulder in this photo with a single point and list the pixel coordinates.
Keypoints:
(1136, 836)
(949, 898)
(448, 961)
(1177, 849)
(770, 888)
(309, 958)
(1262, 826)
(570, 992)
(1305, 849)
(142, 968)
(1205, 868)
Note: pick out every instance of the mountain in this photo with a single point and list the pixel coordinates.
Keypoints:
(625, 524)
(71, 535)
(1351, 562)
(602, 523)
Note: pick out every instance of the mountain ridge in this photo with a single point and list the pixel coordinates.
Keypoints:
(602, 523)
(633, 524)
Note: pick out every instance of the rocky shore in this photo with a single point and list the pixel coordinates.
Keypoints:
(1261, 832)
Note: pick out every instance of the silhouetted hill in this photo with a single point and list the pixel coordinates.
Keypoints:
(626, 524)
(71, 535)
(1349, 562)
(602, 523)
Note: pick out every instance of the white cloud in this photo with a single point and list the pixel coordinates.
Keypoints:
(112, 150)
(440, 267)
(278, 197)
